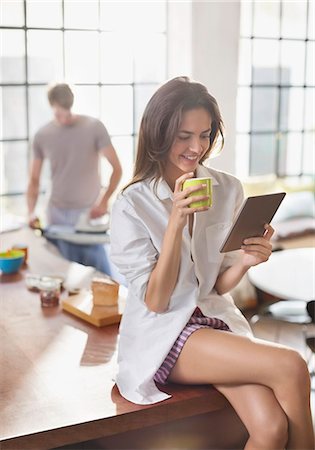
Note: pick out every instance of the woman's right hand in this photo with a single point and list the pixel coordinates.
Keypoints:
(181, 201)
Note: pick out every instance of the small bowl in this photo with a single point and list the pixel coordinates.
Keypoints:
(11, 261)
(34, 280)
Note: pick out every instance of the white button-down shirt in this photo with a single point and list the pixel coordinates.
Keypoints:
(139, 219)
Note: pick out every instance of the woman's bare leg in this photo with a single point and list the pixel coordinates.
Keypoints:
(261, 413)
(223, 358)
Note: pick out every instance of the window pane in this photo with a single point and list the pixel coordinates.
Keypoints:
(309, 119)
(263, 154)
(117, 109)
(39, 109)
(12, 13)
(265, 109)
(2, 178)
(82, 65)
(124, 147)
(242, 155)
(14, 165)
(246, 18)
(243, 109)
(267, 18)
(116, 58)
(290, 154)
(311, 14)
(310, 75)
(87, 100)
(245, 62)
(81, 14)
(13, 112)
(12, 60)
(131, 16)
(292, 62)
(142, 96)
(265, 62)
(150, 58)
(45, 61)
(291, 109)
(309, 154)
(294, 19)
(44, 14)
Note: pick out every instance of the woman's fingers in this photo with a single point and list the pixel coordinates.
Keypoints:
(264, 240)
(181, 202)
(259, 247)
(185, 201)
(179, 182)
(257, 250)
(185, 193)
(269, 231)
(257, 242)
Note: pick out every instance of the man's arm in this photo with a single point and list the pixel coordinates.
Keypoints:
(33, 190)
(100, 207)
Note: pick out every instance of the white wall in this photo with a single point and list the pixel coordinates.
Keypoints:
(179, 38)
(204, 39)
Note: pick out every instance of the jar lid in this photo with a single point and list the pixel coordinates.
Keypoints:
(49, 284)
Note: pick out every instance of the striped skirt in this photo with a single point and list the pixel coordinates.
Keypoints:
(197, 321)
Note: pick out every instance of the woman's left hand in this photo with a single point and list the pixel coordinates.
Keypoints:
(257, 249)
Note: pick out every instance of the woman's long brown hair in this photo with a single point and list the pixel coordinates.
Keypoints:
(161, 121)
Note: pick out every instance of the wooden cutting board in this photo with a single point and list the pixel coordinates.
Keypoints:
(81, 305)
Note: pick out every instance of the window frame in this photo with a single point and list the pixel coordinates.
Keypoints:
(26, 84)
(279, 134)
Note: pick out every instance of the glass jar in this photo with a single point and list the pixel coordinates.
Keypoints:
(23, 247)
(49, 291)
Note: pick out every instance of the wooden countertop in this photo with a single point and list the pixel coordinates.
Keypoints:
(57, 371)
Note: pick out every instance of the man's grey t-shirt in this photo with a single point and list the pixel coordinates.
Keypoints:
(73, 152)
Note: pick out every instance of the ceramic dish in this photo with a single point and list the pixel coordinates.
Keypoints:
(33, 281)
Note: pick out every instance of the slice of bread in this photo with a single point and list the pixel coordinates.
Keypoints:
(105, 292)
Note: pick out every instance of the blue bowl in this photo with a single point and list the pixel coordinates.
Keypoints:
(11, 261)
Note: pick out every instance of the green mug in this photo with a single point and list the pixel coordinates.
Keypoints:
(207, 190)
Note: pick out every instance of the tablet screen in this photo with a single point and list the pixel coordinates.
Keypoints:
(253, 215)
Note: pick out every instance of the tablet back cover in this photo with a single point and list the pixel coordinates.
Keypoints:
(250, 221)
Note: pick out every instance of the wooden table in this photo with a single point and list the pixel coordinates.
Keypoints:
(57, 371)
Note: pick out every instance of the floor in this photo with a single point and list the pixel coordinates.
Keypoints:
(292, 335)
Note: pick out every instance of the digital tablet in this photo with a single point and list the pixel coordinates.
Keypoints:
(253, 215)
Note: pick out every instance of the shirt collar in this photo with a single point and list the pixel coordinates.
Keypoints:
(164, 191)
(203, 171)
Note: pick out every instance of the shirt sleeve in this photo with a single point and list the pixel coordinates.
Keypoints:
(231, 257)
(38, 152)
(132, 250)
(102, 138)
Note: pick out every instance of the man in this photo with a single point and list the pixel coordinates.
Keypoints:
(73, 145)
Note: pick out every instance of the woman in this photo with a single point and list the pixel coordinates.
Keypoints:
(180, 324)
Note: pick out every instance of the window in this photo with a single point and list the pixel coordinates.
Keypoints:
(112, 53)
(276, 95)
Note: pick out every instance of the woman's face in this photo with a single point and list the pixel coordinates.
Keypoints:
(191, 143)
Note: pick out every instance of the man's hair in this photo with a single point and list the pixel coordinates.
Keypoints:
(60, 94)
